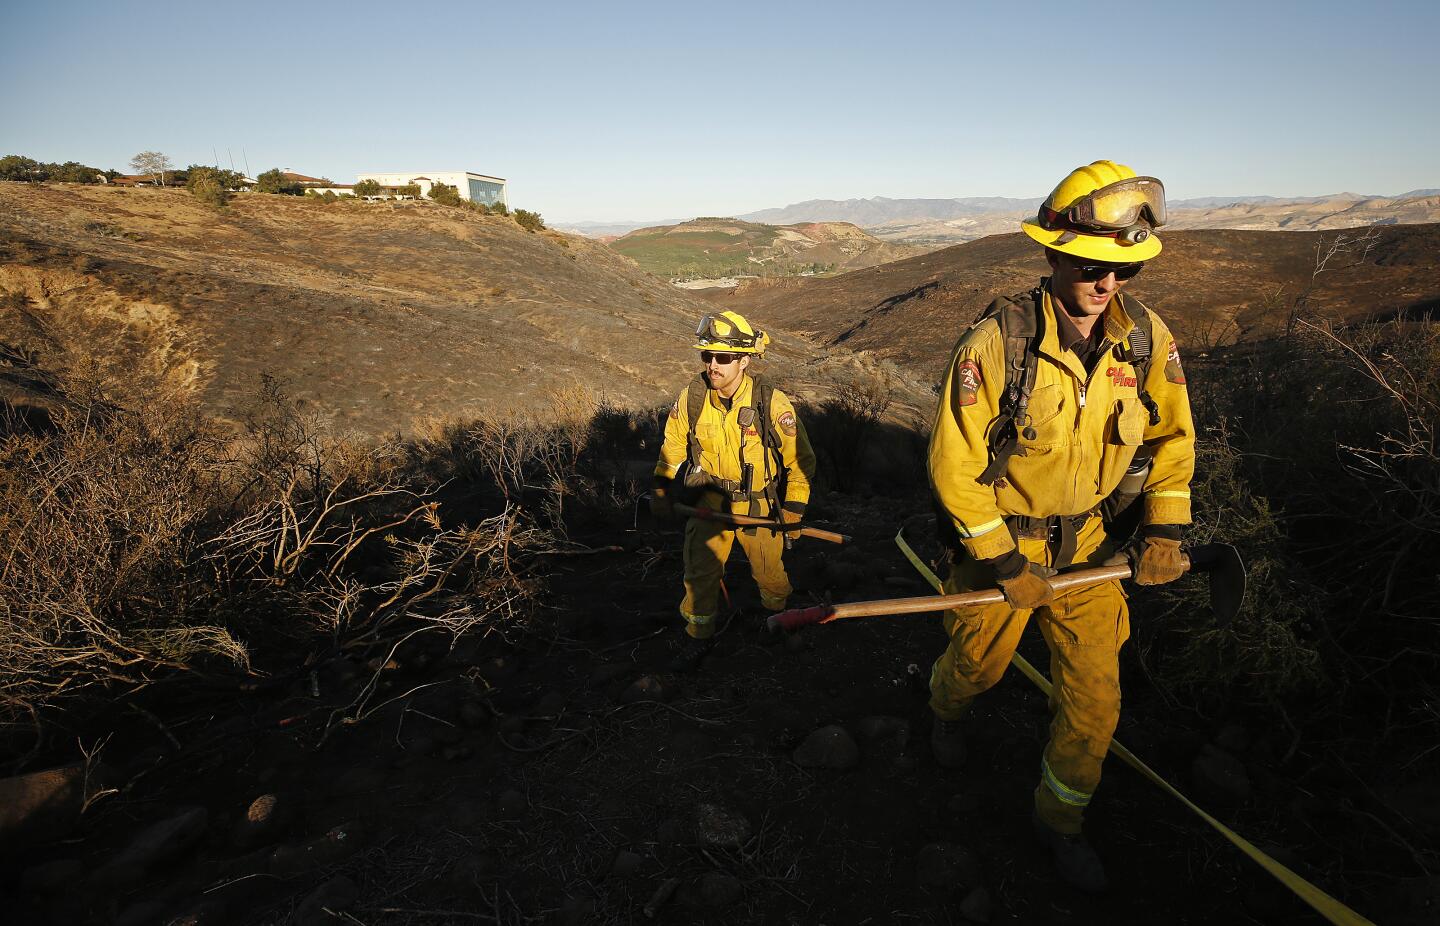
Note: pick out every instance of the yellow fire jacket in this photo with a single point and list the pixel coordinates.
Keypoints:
(724, 445)
(1087, 429)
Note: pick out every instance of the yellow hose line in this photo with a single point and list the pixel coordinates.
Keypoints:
(1327, 906)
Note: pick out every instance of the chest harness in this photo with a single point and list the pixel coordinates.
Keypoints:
(755, 416)
(1019, 319)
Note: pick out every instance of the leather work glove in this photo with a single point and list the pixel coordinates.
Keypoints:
(662, 506)
(792, 512)
(1026, 585)
(1154, 555)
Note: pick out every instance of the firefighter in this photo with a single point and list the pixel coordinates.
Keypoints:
(1051, 401)
(732, 443)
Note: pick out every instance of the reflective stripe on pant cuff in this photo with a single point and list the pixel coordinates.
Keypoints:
(699, 626)
(1062, 792)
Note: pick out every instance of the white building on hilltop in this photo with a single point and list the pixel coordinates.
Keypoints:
(474, 187)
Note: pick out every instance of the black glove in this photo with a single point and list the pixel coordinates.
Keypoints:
(662, 506)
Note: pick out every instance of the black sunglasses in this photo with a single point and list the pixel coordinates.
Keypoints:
(721, 358)
(1092, 273)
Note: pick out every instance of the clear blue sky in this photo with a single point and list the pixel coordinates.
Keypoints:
(662, 110)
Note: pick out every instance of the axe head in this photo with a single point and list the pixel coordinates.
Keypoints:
(1222, 563)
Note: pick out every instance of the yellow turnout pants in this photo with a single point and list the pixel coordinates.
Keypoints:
(1084, 630)
(707, 547)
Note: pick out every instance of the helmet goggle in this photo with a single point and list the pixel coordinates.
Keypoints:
(1126, 210)
(717, 330)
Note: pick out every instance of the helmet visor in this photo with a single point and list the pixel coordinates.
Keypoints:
(718, 331)
(1121, 205)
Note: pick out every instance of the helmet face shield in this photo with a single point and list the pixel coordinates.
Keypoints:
(728, 332)
(1120, 205)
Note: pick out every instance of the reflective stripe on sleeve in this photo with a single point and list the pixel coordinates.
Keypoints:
(977, 530)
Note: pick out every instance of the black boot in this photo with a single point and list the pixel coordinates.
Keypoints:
(1075, 860)
(689, 652)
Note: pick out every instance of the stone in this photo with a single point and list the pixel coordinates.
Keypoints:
(265, 819)
(946, 867)
(719, 826)
(1220, 777)
(336, 845)
(645, 688)
(627, 864)
(156, 843)
(336, 895)
(52, 877)
(977, 906)
(828, 747)
(714, 890)
(42, 807)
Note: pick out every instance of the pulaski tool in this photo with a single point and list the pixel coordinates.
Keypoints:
(1220, 561)
(745, 520)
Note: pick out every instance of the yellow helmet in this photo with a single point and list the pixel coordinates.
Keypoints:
(730, 332)
(1102, 211)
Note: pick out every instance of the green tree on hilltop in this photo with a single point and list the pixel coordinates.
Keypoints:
(18, 167)
(273, 181)
(367, 188)
(445, 195)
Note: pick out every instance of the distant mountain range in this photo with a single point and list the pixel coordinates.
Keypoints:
(949, 221)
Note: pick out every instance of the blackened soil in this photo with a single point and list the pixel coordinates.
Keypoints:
(558, 774)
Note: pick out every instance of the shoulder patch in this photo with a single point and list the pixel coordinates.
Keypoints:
(1173, 371)
(968, 380)
(675, 409)
(787, 423)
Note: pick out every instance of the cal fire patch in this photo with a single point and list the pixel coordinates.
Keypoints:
(967, 376)
(787, 423)
(1173, 371)
(675, 409)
